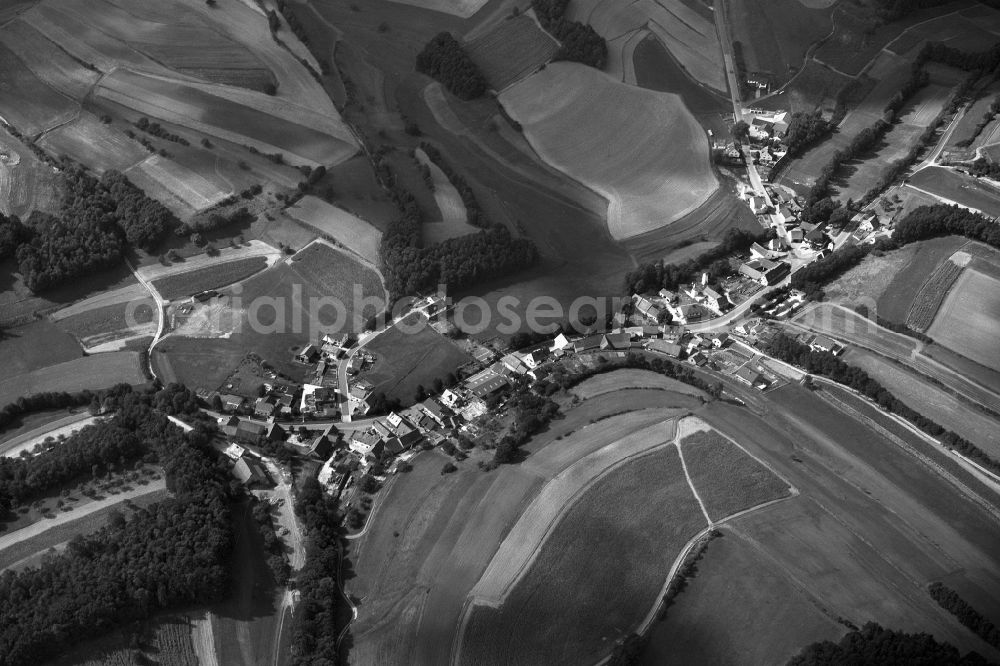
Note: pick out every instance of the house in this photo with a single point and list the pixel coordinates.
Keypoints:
(366, 442)
(758, 205)
(669, 348)
(264, 408)
(560, 342)
(715, 300)
(533, 358)
(616, 341)
(821, 343)
(284, 404)
(231, 403)
(250, 431)
(758, 251)
(433, 409)
(777, 245)
(234, 451)
(275, 433)
(720, 340)
(250, 472)
(589, 343)
(667, 296)
(355, 365)
(309, 354)
(645, 307)
(786, 215)
(394, 446)
(796, 235)
(687, 313)
(513, 363)
(673, 332)
(751, 378)
(765, 271)
(450, 399)
(698, 358)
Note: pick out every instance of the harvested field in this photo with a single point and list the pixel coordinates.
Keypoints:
(90, 372)
(688, 34)
(191, 106)
(404, 361)
(332, 271)
(89, 141)
(512, 50)
(728, 480)
(453, 222)
(968, 320)
(49, 63)
(959, 188)
(460, 8)
(919, 262)
(776, 34)
(28, 185)
(194, 191)
(579, 568)
(596, 130)
(192, 282)
(618, 380)
(349, 230)
(932, 294)
(27, 103)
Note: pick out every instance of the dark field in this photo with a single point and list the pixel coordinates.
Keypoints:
(959, 188)
(211, 277)
(511, 51)
(656, 69)
(35, 346)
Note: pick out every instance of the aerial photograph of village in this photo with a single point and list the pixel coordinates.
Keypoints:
(499, 332)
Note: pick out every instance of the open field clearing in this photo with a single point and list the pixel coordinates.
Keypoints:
(89, 141)
(621, 56)
(49, 63)
(196, 192)
(727, 479)
(595, 129)
(108, 328)
(775, 35)
(689, 35)
(530, 534)
(460, 8)
(451, 209)
(193, 107)
(27, 103)
(953, 187)
(873, 525)
(13, 447)
(349, 230)
(579, 568)
(969, 319)
(656, 69)
(182, 285)
(404, 361)
(932, 294)
(740, 607)
(867, 281)
(512, 50)
(334, 272)
(907, 269)
(957, 30)
(36, 345)
(90, 372)
(931, 400)
(631, 379)
(255, 248)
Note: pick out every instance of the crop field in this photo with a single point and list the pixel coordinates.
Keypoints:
(349, 230)
(195, 191)
(727, 479)
(90, 372)
(182, 285)
(595, 130)
(746, 608)
(110, 324)
(27, 186)
(89, 141)
(335, 273)
(579, 568)
(459, 8)
(967, 321)
(27, 103)
(631, 379)
(451, 208)
(48, 62)
(776, 35)
(192, 106)
(407, 360)
(932, 294)
(866, 282)
(512, 50)
(908, 269)
(688, 34)
(958, 188)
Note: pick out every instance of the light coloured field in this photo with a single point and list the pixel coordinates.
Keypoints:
(529, 535)
(512, 50)
(39, 438)
(89, 141)
(970, 317)
(460, 8)
(641, 150)
(190, 187)
(49, 63)
(354, 233)
(689, 35)
(933, 292)
(453, 214)
(631, 379)
(254, 248)
(90, 372)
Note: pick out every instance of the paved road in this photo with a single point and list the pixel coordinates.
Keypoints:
(161, 315)
(13, 447)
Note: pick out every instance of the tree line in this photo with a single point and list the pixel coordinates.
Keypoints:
(806, 130)
(444, 60)
(949, 600)
(653, 276)
(579, 42)
(169, 554)
(873, 644)
(826, 364)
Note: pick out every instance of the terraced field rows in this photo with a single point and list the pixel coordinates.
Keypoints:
(932, 295)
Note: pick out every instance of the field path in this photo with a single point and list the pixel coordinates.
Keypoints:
(63, 426)
(685, 428)
(161, 316)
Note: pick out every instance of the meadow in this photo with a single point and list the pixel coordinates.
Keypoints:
(193, 190)
(931, 295)
(512, 50)
(619, 380)
(347, 229)
(182, 285)
(90, 372)
(656, 69)
(451, 209)
(591, 127)
(89, 141)
(968, 319)
(909, 269)
(959, 188)
(28, 104)
(48, 62)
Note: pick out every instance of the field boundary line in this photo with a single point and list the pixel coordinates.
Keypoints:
(690, 482)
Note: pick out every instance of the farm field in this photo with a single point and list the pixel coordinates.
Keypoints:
(869, 280)
(969, 317)
(460, 8)
(931, 400)
(910, 267)
(592, 128)
(579, 567)
(28, 104)
(727, 479)
(512, 50)
(28, 185)
(688, 34)
(404, 361)
(958, 188)
(740, 607)
(194, 191)
(111, 326)
(932, 294)
(975, 30)
(451, 209)
(163, 641)
(618, 380)
(182, 285)
(347, 229)
(89, 141)
(33, 346)
(48, 62)
(775, 36)
(155, 271)
(90, 372)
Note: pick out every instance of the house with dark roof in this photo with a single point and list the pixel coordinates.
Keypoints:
(249, 472)
(671, 349)
(715, 300)
(308, 354)
(250, 431)
(231, 402)
(589, 343)
(616, 341)
(434, 410)
(751, 378)
(264, 408)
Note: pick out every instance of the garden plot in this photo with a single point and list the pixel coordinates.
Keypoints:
(512, 50)
(351, 231)
(641, 150)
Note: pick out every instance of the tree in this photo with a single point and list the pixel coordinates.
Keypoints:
(368, 484)
(448, 468)
(444, 59)
(217, 402)
(740, 131)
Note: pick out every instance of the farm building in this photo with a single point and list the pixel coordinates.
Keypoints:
(616, 341)
(671, 349)
(765, 271)
(589, 343)
(250, 473)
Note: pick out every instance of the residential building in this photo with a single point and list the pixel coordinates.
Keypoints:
(713, 299)
(560, 342)
(751, 378)
(616, 341)
(367, 441)
(450, 399)
(308, 354)
(264, 408)
(765, 271)
(671, 349)
(822, 343)
(231, 403)
(250, 472)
